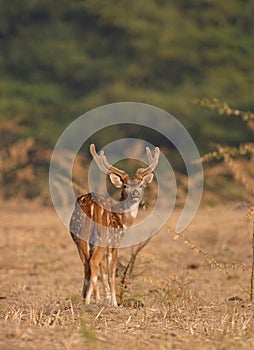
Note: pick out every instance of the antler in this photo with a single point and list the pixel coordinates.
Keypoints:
(103, 164)
(152, 161)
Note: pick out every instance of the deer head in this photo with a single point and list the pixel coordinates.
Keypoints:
(132, 187)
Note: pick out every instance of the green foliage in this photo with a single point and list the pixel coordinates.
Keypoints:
(59, 59)
(87, 333)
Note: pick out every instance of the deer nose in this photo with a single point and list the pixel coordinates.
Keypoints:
(135, 193)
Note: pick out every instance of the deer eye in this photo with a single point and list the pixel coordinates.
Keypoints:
(125, 186)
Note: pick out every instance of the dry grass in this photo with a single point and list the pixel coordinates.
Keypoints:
(177, 299)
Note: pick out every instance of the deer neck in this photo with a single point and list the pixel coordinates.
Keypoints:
(129, 210)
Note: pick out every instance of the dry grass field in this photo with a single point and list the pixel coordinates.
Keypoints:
(176, 300)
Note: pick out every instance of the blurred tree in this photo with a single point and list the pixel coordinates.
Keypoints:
(59, 59)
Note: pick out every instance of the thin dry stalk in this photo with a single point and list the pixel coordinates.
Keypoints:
(211, 261)
(238, 171)
(134, 255)
(229, 156)
(224, 109)
(249, 217)
(130, 266)
(252, 269)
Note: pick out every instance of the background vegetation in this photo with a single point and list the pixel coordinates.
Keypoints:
(59, 59)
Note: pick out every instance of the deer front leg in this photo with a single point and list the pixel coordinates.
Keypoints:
(95, 260)
(112, 259)
(105, 277)
(87, 277)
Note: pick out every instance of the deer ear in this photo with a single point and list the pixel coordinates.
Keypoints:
(147, 179)
(116, 180)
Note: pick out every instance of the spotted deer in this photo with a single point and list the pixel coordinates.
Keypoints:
(97, 224)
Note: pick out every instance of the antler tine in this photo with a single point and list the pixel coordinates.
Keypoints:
(113, 169)
(149, 155)
(152, 161)
(98, 159)
(103, 163)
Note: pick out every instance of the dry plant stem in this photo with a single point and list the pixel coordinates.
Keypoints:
(122, 283)
(249, 217)
(252, 270)
(135, 254)
(238, 173)
(130, 266)
(211, 261)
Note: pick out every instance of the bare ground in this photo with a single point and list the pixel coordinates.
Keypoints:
(179, 298)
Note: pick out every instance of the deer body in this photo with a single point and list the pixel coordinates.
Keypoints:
(97, 224)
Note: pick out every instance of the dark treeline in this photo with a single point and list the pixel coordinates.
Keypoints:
(59, 59)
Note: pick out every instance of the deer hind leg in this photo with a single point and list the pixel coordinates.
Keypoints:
(112, 259)
(94, 263)
(84, 253)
